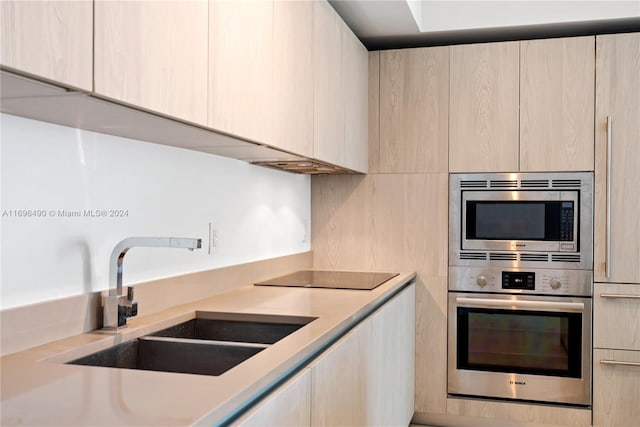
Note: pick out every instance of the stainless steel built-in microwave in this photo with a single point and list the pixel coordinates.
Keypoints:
(522, 219)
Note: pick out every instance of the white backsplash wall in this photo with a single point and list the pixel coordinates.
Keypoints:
(52, 173)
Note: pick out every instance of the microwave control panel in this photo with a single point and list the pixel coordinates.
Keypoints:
(566, 222)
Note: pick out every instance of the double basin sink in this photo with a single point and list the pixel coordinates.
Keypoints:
(210, 344)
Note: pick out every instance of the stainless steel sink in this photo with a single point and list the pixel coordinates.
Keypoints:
(181, 356)
(236, 327)
(210, 344)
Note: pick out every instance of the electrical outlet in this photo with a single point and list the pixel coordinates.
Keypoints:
(213, 238)
(305, 236)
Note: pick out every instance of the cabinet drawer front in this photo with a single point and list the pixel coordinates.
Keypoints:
(616, 316)
(616, 390)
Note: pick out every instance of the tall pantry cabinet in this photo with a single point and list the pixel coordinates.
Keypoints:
(616, 358)
(617, 222)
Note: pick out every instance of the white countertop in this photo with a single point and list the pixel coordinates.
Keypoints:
(39, 389)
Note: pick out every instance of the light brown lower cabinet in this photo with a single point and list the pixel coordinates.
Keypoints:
(616, 388)
(365, 378)
(616, 354)
(478, 412)
(616, 316)
(290, 405)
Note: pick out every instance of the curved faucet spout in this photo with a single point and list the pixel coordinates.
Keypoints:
(121, 249)
(118, 307)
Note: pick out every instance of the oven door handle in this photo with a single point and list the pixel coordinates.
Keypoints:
(520, 304)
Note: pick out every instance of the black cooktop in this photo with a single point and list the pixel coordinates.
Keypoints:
(330, 279)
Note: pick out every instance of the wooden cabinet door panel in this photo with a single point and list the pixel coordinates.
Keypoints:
(355, 63)
(618, 97)
(557, 104)
(414, 110)
(616, 388)
(366, 378)
(328, 93)
(241, 68)
(153, 55)
(374, 112)
(292, 102)
(484, 105)
(616, 316)
(289, 406)
(50, 39)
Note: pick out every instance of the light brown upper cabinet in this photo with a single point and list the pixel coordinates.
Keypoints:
(328, 93)
(241, 68)
(355, 70)
(340, 95)
(292, 101)
(49, 39)
(483, 122)
(557, 104)
(617, 176)
(522, 106)
(414, 100)
(153, 55)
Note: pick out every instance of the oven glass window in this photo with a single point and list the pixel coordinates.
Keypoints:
(519, 220)
(526, 342)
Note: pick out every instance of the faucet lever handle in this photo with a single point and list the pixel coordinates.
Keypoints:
(130, 294)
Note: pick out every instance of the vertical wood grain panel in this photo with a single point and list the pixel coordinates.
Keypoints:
(413, 102)
(374, 112)
(431, 344)
(519, 414)
(292, 101)
(394, 222)
(618, 96)
(616, 321)
(385, 221)
(241, 68)
(51, 39)
(288, 406)
(153, 55)
(341, 222)
(363, 379)
(616, 390)
(338, 389)
(557, 104)
(391, 395)
(355, 63)
(328, 93)
(483, 112)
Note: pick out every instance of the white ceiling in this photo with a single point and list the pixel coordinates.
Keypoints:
(383, 23)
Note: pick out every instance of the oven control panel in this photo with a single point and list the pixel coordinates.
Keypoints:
(521, 280)
(524, 280)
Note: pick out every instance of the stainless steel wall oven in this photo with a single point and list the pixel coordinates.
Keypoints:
(519, 313)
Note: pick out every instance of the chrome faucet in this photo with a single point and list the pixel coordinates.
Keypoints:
(118, 307)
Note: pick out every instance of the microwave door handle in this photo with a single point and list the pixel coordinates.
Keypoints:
(520, 304)
(607, 264)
